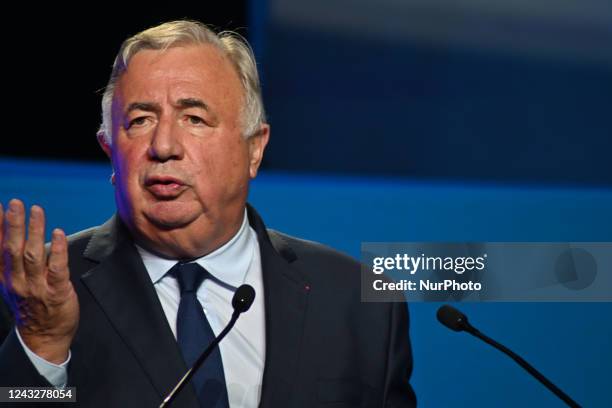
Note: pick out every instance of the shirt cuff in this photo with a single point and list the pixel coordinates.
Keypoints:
(56, 374)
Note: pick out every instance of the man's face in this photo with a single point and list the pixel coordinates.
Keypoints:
(181, 163)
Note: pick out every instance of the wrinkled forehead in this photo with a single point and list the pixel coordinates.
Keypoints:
(193, 71)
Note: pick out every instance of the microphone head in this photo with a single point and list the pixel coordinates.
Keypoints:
(243, 298)
(452, 318)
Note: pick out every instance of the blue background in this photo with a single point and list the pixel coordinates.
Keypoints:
(457, 120)
(500, 90)
(570, 343)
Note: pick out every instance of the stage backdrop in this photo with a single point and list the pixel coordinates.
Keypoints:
(570, 343)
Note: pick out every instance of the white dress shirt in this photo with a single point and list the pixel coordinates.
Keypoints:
(243, 349)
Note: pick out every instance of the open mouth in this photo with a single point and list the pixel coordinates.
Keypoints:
(165, 187)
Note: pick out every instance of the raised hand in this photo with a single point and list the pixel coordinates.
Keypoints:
(37, 285)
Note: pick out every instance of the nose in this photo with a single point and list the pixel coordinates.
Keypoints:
(166, 142)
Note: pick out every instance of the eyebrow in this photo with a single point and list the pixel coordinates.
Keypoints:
(192, 103)
(144, 106)
(184, 103)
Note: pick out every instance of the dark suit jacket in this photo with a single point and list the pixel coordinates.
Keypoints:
(324, 347)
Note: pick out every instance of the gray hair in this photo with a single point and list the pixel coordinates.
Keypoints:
(184, 32)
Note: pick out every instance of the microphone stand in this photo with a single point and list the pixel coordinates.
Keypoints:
(520, 361)
(185, 380)
(457, 321)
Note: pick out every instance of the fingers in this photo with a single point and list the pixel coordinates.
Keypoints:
(24, 260)
(13, 242)
(34, 250)
(39, 287)
(58, 258)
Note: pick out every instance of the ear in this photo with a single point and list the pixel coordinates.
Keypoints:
(257, 144)
(104, 144)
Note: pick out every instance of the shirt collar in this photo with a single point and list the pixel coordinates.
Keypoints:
(228, 263)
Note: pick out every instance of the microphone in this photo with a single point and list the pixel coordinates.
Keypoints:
(457, 321)
(241, 302)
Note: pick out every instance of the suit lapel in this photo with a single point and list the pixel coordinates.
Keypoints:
(286, 298)
(123, 289)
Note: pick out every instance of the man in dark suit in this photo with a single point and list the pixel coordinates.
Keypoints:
(111, 310)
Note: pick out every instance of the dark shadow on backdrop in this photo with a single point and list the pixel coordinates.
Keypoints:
(59, 60)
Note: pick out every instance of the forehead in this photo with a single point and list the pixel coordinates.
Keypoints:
(183, 71)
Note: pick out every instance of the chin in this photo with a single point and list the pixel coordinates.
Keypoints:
(171, 215)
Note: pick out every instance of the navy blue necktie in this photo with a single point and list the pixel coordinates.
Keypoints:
(194, 334)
